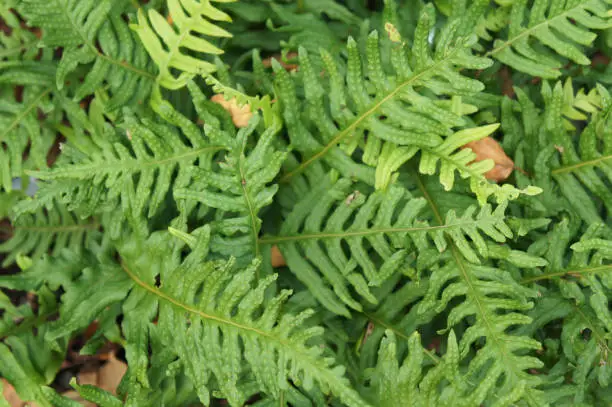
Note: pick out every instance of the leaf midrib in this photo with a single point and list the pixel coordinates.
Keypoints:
(76, 171)
(358, 233)
(573, 167)
(33, 104)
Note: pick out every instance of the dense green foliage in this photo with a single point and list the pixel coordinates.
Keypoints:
(411, 278)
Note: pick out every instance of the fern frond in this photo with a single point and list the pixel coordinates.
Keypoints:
(571, 169)
(103, 180)
(91, 31)
(548, 28)
(50, 230)
(192, 22)
(335, 238)
(238, 188)
(496, 302)
(216, 325)
(392, 105)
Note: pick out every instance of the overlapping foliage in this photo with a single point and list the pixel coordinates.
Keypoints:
(134, 204)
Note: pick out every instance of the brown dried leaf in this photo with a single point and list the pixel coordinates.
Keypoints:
(88, 377)
(111, 373)
(289, 67)
(489, 148)
(240, 114)
(277, 257)
(11, 395)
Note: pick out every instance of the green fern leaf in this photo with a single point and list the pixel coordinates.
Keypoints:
(335, 238)
(398, 112)
(228, 324)
(191, 24)
(153, 151)
(79, 26)
(549, 26)
(36, 234)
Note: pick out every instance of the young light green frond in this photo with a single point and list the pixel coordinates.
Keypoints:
(220, 327)
(263, 103)
(50, 230)
(541, 29)
(190, 27)
(94, 32)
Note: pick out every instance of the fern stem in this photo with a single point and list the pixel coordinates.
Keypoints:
(96, 168)
(252, 213)
(553, 274)
(574, 167)
(356, 233)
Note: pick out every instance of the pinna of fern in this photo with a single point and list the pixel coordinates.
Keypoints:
(188, 26)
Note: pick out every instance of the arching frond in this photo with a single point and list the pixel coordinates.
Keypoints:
(94, 32)
(539, 30)
(389, 101)
(213, 321)
(190, 25)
